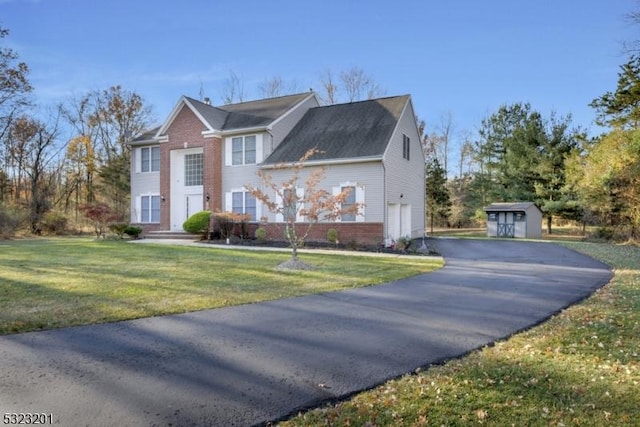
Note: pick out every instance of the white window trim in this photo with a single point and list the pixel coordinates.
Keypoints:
(138, 208)
(228, 202)
(228, 150)
(359, 199)
(139, 159)
(184, 170)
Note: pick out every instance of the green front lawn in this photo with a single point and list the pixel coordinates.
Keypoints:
(580, 368)
(52, 283)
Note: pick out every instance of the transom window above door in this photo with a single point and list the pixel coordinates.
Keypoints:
(192, 169)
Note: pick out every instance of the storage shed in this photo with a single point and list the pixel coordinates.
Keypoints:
(521, 219)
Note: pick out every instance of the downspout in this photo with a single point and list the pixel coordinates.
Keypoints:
(385, 220)
(271, 148)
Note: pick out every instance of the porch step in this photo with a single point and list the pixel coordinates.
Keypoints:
(182, 235)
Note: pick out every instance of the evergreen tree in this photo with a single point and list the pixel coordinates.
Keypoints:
(621, 108)
(437, 197)
(522, 159)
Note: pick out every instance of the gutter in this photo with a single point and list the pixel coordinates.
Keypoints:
(221, 133)
(328, 162)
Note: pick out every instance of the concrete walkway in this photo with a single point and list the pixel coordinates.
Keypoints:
(247, 365)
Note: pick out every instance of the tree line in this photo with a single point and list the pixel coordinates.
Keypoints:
(520, 155)
(65, 164)
(57, 163)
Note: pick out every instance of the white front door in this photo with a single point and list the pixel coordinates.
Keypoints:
(192, 204)
(186, 185)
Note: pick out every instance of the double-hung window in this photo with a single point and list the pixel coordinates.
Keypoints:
(354, 197)
(243, 202)
(149, 209)
(349, 203)
(243, 150)
(149, 159)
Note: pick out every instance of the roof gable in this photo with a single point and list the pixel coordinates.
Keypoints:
(262, 112)
(343, 131)
(231, 117)
(194, 106)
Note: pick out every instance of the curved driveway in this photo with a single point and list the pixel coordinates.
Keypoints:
(250, 364)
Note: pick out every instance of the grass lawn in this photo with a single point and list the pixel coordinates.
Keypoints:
(580, 368)
(58, 282)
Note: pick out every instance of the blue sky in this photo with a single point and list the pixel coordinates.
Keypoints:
(464, 57)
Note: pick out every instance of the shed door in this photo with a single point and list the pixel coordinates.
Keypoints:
(506, 224)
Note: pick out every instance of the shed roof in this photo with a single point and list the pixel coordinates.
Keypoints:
(342, 131)
(510, 207)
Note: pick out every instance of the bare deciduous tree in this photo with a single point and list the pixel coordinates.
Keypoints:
(39, 151)
(437, 144)
(358, 85)
(14, 85)
(108, 118)
(329, 94)
(272, 87)
(233, 89)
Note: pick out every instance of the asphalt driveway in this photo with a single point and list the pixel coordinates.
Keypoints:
(250, 364)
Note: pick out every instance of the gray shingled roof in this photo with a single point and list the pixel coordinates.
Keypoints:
(509, 207)
(213, 115)
(145, 137)
(247, 114)
(342, 131)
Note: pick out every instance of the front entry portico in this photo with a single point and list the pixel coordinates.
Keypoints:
(186, 185)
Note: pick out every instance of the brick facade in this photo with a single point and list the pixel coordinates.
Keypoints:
(360, 233)
(186, 132)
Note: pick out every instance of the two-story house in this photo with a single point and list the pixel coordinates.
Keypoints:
(203, 157)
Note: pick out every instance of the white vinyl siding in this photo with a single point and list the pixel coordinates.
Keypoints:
(367, 177)
(404, 179)
(285, 124)
(147, 183)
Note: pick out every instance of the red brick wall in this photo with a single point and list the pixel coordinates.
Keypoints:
(150, 227)
(212, 178)
(186, 127)
(362, 233)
